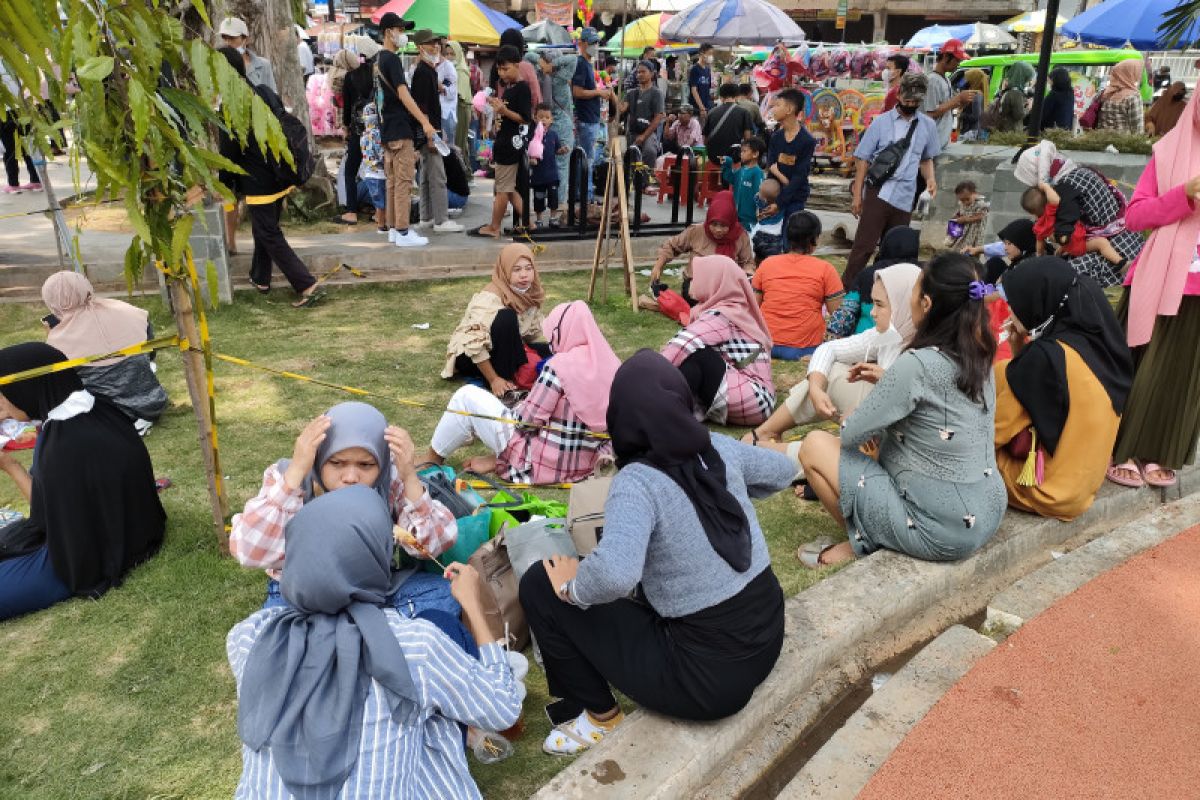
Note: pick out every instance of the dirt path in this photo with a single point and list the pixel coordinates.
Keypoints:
(1095, 698)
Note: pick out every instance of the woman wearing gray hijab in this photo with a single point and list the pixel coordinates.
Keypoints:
(340, 696)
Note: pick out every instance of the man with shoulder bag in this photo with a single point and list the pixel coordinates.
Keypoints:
(899, 145)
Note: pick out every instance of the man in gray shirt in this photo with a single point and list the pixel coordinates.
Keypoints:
(940, 100)
(235, 33)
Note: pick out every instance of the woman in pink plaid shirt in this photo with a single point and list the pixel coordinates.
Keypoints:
(725, 352)
(549, 437)
(346, 446)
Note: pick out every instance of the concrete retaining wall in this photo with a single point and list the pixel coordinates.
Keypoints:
(992, 170)
(837, 631)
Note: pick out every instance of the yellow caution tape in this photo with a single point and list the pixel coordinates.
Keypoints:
(150, 346)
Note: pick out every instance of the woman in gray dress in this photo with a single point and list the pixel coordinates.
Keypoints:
(915, 468)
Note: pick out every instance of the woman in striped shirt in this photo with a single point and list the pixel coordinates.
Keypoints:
(551, 435)
(340, 696)
(349, 444)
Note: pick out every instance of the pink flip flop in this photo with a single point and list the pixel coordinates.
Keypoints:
(1159, 483)
(1119, 479)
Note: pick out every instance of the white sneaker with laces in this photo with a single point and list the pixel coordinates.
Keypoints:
(410, 238)
(449, 226)
(392, 235)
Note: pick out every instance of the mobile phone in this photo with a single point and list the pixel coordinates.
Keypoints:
(49, 320)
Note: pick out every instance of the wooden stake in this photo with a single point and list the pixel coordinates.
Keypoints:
(616, 161)
(600, 257)
(197, 382)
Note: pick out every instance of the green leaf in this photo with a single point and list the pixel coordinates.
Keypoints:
(136, 218)
(96, 68)
(179, 237)
(133, 264)
(202, 11)
(139, 105)
(219, 161)
(210, 277)
(202, 70)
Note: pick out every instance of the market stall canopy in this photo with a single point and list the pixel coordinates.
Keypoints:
(1030, 22)
(640, 34)
(1115, 23)
(462, 20)
(933, 37)
(546, 32)
(983, 36)
(732, 22)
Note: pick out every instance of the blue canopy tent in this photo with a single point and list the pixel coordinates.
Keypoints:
(1114, 23)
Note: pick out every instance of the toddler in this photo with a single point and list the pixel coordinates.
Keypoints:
(745, 180)
(1058, 219)
(370, 172)
(766, 235)
(543, 173)
(966, 228)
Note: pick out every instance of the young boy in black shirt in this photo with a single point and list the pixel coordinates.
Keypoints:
(514, 108)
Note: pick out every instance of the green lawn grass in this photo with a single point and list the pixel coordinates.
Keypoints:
(131, 696)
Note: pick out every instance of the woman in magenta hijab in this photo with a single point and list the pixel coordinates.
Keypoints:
(550, 435)
(1162, 416)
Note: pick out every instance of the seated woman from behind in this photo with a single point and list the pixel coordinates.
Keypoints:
(796, 291)
(351, 444)
(1059, 400)
(930, 489)
(725, 353)
(93, 507)
(499, 324)
(679, 523)
(550, 436)
(341, 696)
(81, 324)
(843, 371)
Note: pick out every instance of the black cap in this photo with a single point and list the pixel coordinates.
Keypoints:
(392, 20)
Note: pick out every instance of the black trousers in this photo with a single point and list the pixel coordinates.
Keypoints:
(704, 370)
(9, 131)
(545, 196)
(350, 173)
(271, 247)
(508, 348)
(627, 645)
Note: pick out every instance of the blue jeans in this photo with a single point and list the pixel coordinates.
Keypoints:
(785, 353)
(586, 136)
(421, 592)
(28, 583)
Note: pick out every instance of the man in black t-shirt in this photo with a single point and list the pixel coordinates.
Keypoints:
(398, 112)
(514, 105)
(727, 125)
(426, 84)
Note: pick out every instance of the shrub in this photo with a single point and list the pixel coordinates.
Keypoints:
(1088, 141)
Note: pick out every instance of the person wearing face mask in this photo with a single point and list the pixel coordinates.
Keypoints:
(897, 68)
(881, 207)
(351, 444)
(426, 85)
(700, 82)
(550, 435)
(234, 33)
(500, 326)
(400, 114)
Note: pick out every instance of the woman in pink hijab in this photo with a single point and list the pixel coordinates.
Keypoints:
(1162, 416)
(725, 352)
(550, 435)
(81, 324)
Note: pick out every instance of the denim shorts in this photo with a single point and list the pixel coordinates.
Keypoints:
(422, 591)
(377, 191)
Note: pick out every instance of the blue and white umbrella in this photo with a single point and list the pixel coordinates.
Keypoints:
(733, 22)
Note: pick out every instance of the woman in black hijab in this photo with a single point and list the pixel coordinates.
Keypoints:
(1058, 109)
(93, 507)
(679, 527)
(1017, 242)
(1059, 400)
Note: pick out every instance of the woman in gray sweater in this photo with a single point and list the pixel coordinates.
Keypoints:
(927, 484)
(706, 624)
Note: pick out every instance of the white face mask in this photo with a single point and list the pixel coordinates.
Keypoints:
(431, 58)
(401, 40)
(886, 76)
(521, 289)
(242, 49)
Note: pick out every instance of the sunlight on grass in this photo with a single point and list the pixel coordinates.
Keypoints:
(131, 696)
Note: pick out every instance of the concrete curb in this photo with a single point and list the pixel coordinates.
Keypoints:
(846, 624)
(1039, 590)
(845, 764)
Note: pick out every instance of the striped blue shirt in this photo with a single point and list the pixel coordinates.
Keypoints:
(423, 755)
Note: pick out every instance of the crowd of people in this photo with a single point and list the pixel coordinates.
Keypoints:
(989, 376)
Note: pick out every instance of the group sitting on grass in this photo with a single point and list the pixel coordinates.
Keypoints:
(362, 657)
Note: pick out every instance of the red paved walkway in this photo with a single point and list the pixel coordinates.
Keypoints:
(1099, 697)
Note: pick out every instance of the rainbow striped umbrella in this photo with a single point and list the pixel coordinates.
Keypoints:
(462, 20)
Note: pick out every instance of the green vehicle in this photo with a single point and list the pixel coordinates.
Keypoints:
(1087, 67)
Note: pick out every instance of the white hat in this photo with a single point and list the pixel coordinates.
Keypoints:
(367, 47)
(232, 26)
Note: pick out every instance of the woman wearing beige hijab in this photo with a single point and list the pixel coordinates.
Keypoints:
(501, 325)
(1121, 106)
(81, 324)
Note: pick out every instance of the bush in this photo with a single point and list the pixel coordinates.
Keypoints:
(1089, 141)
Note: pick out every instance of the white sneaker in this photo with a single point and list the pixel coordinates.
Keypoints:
(424, 224)
(449, 226)
(392, 235)
(409, 239)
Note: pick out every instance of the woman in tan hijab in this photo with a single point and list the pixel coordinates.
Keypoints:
(1121, 106)
(81, 324)
(499, 329)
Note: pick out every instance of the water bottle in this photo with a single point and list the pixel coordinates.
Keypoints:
(922, 210)
(440, 143)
